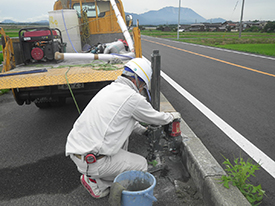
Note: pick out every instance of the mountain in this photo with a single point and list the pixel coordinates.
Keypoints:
(8, 21)
(42, 22)
(215, 20)
(166, 15)
(169, 15)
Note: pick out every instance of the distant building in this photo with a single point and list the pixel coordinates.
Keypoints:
(197, 27)
(258, 24)
(221, 27)
(230, 26)
(214, 27)
(166, 28)
(150, 27)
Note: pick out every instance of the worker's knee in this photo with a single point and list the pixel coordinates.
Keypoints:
(141, 164)
(129, 161)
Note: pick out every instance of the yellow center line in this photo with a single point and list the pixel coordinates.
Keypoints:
(215, 59)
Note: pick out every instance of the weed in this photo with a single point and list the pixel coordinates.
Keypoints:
(3, 91)
(238, 175)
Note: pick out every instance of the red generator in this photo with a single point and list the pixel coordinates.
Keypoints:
(40, 44)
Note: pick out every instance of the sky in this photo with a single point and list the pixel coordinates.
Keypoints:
(36, 10)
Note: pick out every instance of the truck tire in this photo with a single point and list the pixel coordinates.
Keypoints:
(17, 98)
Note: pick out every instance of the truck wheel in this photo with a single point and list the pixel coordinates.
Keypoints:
(16, 97)
(42, 105)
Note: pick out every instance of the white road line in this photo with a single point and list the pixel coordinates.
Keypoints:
(266, 162)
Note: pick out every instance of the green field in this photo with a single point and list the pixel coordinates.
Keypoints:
(263, 49)
(253, 42)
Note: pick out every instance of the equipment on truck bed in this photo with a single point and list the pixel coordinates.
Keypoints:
(40, 44)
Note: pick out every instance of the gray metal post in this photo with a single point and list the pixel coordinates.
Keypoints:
(241, 22)
(179, 20)
(155, 83)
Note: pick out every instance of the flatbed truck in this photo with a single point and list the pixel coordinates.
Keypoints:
(33, 67)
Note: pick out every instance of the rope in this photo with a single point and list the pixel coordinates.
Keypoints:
(105, 65)
(121, 55)
(67, 31)
(72, 94)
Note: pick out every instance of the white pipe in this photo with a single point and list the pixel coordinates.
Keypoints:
(90, 56)
(123, 26)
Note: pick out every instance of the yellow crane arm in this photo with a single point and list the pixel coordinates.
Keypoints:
(8, 52)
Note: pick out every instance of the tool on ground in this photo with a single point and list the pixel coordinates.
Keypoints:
(161, 139)
(174, 135)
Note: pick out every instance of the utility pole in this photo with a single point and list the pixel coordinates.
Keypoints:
(241, 21)
(179, 20)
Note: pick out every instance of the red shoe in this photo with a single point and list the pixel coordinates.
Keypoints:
(91, 186)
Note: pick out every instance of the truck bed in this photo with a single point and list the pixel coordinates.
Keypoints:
(48, 74)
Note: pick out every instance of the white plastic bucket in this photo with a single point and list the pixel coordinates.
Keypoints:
(66, 20)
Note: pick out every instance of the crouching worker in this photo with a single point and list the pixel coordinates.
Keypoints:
(98, 142)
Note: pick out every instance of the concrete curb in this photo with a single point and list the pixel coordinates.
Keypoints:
(203, 168)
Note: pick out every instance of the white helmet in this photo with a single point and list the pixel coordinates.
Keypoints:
(142, 68)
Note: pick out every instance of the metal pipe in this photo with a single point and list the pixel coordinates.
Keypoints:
(90, 56)
(123, 26)
(96, 15)
(155, 83)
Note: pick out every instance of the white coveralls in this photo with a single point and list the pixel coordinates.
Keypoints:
(104, 127)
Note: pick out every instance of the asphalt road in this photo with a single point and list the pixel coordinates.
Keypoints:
(237, 87)
(35, 171)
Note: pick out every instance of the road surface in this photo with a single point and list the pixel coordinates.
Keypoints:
(227, 98)
(35, 171)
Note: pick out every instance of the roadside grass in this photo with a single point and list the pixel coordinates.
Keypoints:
(3, 91)
(253, 42)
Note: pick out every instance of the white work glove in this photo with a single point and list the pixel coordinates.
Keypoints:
(176, 115)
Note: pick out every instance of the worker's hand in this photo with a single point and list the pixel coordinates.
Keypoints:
(149, 131)
(176, 115)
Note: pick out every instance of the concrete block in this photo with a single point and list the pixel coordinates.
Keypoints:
(215, 194)
(204, 169)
